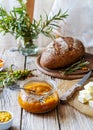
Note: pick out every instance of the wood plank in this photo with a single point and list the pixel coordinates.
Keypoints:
(46, 121)
(8, 99)
(71, 119)
(30, 8)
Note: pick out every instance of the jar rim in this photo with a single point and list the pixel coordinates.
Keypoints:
(50, 82)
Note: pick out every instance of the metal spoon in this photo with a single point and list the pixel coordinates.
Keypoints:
(17, 87)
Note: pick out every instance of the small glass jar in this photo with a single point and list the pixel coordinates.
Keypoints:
(41, 99)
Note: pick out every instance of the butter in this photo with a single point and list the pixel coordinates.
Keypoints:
(89, 87)
(91, 103)
(82, 92)
(86, 95)
(82, 99)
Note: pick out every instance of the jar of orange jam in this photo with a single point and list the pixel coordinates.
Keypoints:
(41, 98)
(1, 64)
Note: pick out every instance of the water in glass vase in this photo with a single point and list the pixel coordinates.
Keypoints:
(28, 50)
(33, 50)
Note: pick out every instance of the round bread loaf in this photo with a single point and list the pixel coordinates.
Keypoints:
(62, 52)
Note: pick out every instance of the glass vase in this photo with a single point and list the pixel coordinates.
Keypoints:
(29, 50)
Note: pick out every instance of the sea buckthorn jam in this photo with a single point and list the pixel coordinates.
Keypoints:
(42, 98)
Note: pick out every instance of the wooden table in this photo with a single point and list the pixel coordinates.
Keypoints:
(64, 117)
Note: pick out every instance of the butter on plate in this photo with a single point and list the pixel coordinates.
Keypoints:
(89, 86)
(91, 103)
(82, 99)
(86, 95)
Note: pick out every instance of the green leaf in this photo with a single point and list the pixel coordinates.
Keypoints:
(76, 66)
(17, 23)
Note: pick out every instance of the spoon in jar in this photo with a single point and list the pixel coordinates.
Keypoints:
(17, 87)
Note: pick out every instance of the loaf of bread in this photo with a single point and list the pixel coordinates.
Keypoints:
(62, 52)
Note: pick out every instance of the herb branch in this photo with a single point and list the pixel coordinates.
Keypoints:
(76, 66)
(10, 76)
(17, 23)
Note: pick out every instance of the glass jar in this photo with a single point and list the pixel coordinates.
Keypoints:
(41, 99)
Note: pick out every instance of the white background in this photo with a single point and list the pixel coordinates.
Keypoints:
(78, 24)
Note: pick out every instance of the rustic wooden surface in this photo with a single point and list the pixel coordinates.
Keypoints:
(64, 117)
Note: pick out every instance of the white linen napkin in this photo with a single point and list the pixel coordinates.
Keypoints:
(79, 23)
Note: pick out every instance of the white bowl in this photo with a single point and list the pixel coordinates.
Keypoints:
(8, 124)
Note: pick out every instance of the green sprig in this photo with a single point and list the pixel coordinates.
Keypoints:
(10, 76)
(76, 66)
(17, 22)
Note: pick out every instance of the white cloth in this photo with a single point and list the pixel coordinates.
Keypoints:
(79, 23)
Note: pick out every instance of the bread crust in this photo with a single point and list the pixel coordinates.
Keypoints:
(62, 52)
